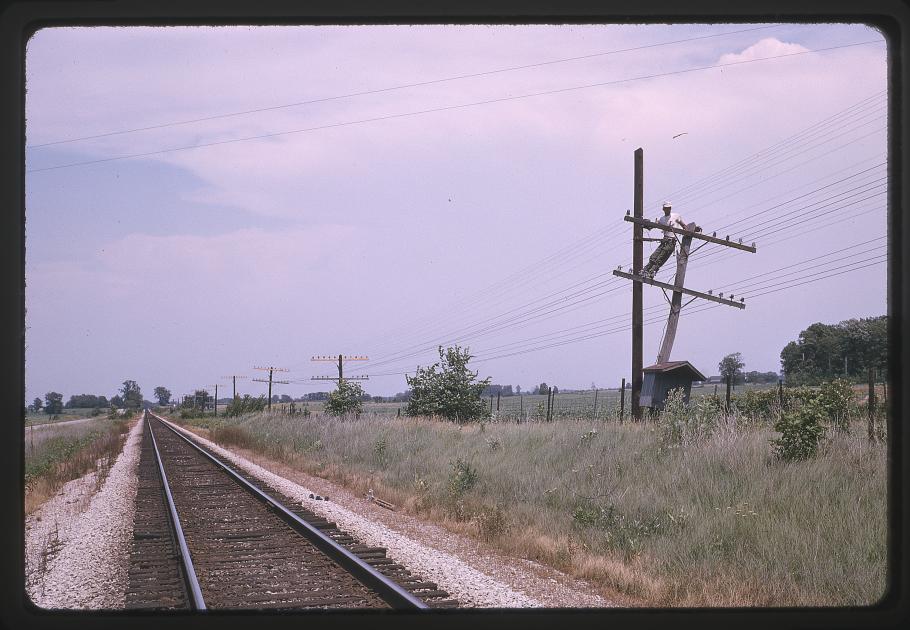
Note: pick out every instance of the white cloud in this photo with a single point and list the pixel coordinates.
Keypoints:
(767, 47)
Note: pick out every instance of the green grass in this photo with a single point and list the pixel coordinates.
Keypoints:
(55, 455)
(716, 522)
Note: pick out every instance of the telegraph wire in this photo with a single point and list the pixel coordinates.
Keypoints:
(393, 88)
(444, 108)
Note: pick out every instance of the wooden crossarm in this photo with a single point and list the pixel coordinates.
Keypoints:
(699, 235)
(670, 287)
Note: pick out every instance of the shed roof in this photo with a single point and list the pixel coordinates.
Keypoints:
(672, 366)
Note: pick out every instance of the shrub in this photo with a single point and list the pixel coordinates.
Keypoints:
(346, 399)
(447, 388)
(801, 431)
(835, 398)
(491, 522)
(680, 423)
(463, 477)
(247, 404)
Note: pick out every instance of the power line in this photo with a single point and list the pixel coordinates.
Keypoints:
(393, 88)
(444, 108)
(471, 331)
(586, 243)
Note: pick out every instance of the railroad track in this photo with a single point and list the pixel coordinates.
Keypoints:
(208, 537)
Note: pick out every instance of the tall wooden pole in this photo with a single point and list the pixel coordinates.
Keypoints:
(270, 389)
(340, 368)
(234, 379)
(216, 400)
(637, 314)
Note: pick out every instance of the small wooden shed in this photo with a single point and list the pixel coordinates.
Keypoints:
(660, 378)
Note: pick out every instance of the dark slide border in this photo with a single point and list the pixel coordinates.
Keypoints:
(19, 19)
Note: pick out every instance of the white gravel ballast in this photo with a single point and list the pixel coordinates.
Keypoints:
(77, 544)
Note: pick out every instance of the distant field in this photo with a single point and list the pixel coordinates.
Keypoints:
(533, 406)
(68, 414)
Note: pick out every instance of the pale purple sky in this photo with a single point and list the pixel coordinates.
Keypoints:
(384, 237)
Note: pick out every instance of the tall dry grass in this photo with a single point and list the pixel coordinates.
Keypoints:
(713, 521)
(55, 455)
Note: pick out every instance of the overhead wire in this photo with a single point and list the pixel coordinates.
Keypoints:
(395, 87)
(442, 109)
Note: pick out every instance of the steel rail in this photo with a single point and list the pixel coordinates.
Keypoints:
(189, 573)
(391, 592)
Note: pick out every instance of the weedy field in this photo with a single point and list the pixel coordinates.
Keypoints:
(701, 515)
(60, 453)
(32, 418)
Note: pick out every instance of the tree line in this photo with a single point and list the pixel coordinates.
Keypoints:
(847, 350)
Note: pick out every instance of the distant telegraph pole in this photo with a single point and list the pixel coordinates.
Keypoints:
(340, 360)
(270, 381)
(234, 378)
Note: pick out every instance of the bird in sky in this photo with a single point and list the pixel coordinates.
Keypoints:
(684, 133)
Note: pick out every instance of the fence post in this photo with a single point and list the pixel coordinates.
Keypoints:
(622, 401)
(871, 404)
(595, 403)
(549, 397)
(491, 403)
(729, 385)
(497, 400)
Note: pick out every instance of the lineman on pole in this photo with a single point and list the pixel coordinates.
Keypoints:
(667, 245)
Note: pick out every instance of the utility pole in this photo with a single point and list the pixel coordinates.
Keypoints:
(216, 400)
(234, 378)
(637, 312)
(270, 381)
(341, 359)
(691, 231)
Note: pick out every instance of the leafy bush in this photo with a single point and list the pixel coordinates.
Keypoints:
(757, 404)
(835, 398)
(680, 423)
(247, 404)
(463, 477)
(447, 388)
(346, 399)
(801, 431)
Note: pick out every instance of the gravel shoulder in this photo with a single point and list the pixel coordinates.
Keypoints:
(473, 572)
(77, 544)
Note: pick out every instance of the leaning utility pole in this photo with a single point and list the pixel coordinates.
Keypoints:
(270, 381)
(234, 378)
(341, 359)
(691, 231)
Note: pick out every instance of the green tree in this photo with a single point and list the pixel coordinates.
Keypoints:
(732, 366)
(201, 398)
(163, 394)
(847, 349)
(53, 403)
(37, 404)
(542, 389)
(346, 399)
(131, 395)
(447, 388)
